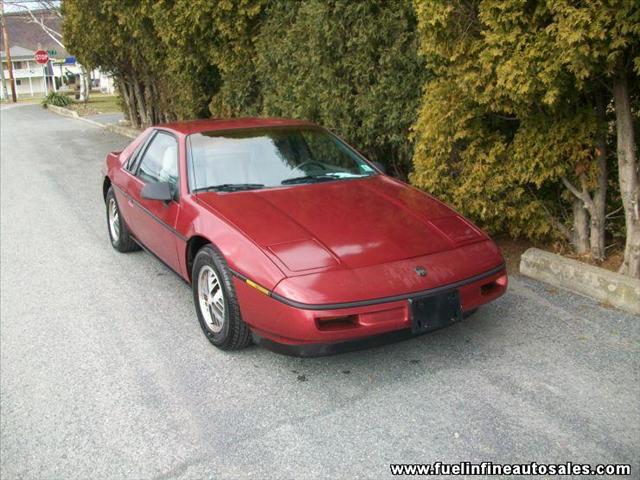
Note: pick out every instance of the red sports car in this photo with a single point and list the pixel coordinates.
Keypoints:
(289, 236)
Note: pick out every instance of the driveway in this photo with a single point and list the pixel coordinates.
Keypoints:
(105, 372)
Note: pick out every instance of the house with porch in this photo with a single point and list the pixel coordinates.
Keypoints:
(30, 78)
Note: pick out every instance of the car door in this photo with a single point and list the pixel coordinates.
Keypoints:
(153, 222)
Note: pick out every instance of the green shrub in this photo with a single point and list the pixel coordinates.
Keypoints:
(57, 99)
(350, 66)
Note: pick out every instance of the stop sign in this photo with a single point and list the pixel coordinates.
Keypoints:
(42, 57)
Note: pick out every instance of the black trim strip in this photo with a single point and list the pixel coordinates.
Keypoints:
(133, 158)
(238, 274)
(146, 249)
(376, 301)
(148, 212)
(308, 350)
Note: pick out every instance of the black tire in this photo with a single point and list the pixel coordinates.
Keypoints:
(235, 334)
(123, 242)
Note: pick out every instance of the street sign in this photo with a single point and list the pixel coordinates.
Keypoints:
(42, 57)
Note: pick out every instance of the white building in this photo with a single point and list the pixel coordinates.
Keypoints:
(34, 80)
(30, 78)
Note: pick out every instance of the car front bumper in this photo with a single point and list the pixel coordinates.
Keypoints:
(315, 330)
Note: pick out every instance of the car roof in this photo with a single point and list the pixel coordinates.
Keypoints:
(215, 124)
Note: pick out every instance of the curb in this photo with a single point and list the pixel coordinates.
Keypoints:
(619, 290)
(65, 112)
(118, 129)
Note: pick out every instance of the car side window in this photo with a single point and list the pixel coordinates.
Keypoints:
(159, 162)
(133, 158)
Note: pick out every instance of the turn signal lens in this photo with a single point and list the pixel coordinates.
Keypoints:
(492, 287)
(260, 288)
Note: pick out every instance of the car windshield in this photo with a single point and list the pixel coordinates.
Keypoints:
(270, 157)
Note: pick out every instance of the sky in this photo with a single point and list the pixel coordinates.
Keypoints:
(17, 5)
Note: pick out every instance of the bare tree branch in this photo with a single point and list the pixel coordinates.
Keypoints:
(557, 224)
(53, 7)
(613, 214)
(46, 5)
(580, 195)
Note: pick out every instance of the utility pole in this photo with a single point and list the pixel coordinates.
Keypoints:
(3, 88)
(7, 49)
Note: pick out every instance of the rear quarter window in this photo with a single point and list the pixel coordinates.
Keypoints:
(132, 152)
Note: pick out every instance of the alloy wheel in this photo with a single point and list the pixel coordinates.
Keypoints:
(114, 220)
(211, 298)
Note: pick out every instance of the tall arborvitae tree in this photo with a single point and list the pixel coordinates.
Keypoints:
(518, 105)
(351, 66)
(98, 36)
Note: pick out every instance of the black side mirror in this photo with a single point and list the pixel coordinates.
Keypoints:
(157, 191)
(380, 167)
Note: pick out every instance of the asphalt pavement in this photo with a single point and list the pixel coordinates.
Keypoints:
(107, 118)
(104, 372)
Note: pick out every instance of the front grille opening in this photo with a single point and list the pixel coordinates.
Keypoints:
(489, 288)
(328, 324)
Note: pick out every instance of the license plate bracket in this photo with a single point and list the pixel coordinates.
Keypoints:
(435, 311)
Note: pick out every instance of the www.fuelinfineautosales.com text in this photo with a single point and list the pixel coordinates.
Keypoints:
(490, 468)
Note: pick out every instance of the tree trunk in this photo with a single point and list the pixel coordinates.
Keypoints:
(128, 96)
(148, 102)
(137, 122)
(142, 107)
(87, 81)
(124, 93)
(628, 175)
(599, 204)
(583, 207)
(152, 103)
(580, 227)
(83, 84)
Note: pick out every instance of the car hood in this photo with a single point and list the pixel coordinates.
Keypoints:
(343, 224)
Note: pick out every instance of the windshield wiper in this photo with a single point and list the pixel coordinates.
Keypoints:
(323, 178)
(229, 187)
(308, 179)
